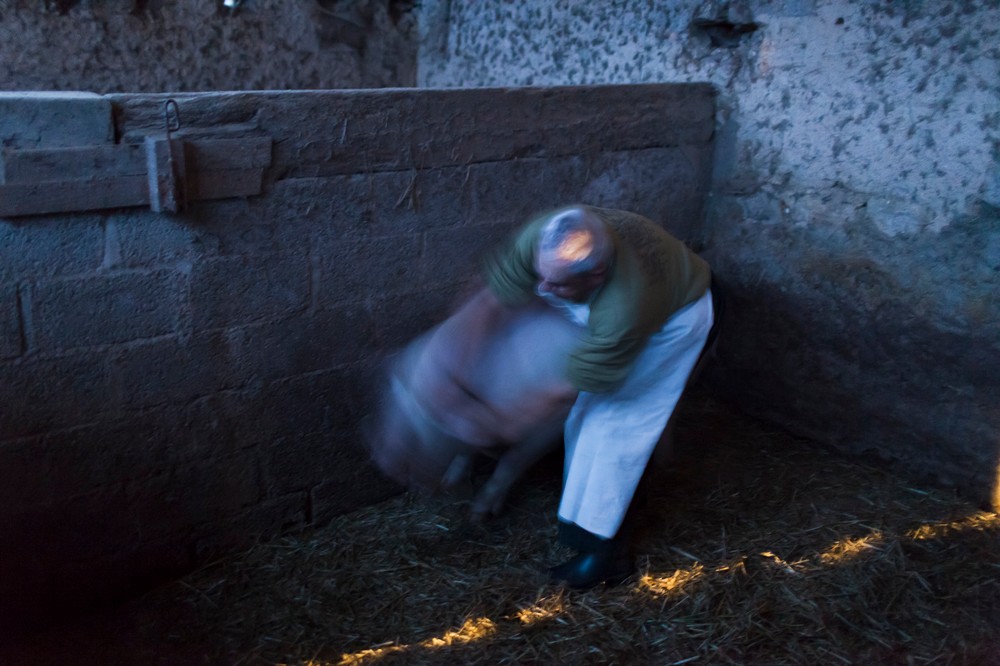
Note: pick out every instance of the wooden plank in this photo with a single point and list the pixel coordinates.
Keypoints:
(203, 185)
(38, 181)
(166, 174)
(224, 154)
(44, 119)
(73, 195)
(80, 195)
(61, 164)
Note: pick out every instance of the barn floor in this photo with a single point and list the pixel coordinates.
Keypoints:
(758, 549)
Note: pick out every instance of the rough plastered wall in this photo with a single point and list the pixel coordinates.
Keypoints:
(855, 212)
(199, 45)
(173, 387)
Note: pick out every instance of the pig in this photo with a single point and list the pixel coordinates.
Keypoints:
(508, 399)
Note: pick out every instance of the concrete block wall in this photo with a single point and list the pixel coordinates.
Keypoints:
(173, 387)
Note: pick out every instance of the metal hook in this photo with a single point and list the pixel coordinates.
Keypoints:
(176, 124)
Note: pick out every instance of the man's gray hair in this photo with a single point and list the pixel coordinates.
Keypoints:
(576, 239)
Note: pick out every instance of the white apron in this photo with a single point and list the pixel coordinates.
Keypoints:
(610, 436)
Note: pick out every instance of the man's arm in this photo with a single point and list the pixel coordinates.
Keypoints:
(510, 272)
(619, 328)
(601, 364)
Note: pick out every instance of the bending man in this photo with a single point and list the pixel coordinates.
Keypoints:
(644, 298)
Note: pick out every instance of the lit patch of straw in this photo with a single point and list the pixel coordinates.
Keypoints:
(981, 520)
(363, 656)
(674, 583)
(470, 631)
(846, 550)
(542, 610)
(995, 498)
(785, 566)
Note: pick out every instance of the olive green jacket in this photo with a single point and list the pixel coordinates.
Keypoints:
(652, 276)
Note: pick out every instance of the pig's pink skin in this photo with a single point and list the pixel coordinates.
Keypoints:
(511, 402)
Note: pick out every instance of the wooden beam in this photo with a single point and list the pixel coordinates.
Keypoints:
(59, 164)
(73, 195)
(60, 180)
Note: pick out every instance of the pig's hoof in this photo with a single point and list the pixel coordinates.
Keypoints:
(482, 514)
(483, 511)
(463, 491)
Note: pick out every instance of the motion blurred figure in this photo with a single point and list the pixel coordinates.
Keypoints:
(645, 303)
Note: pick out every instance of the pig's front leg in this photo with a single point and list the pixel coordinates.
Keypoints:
(512, 465)
(458, 476)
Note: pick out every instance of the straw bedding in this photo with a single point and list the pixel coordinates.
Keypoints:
(757, 548)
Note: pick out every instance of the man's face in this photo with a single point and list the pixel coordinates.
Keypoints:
(555, 279)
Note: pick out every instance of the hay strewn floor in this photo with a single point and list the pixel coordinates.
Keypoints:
(759, 549)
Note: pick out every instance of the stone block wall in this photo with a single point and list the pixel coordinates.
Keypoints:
(203, 45)
(173, 387)
(855, 206)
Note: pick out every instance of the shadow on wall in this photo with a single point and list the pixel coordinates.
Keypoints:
(882, 345)
(910, 395)
(352, 22)
(96, 513)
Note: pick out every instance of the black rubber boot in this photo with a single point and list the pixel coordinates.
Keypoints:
(586, 570)
(600, 561)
